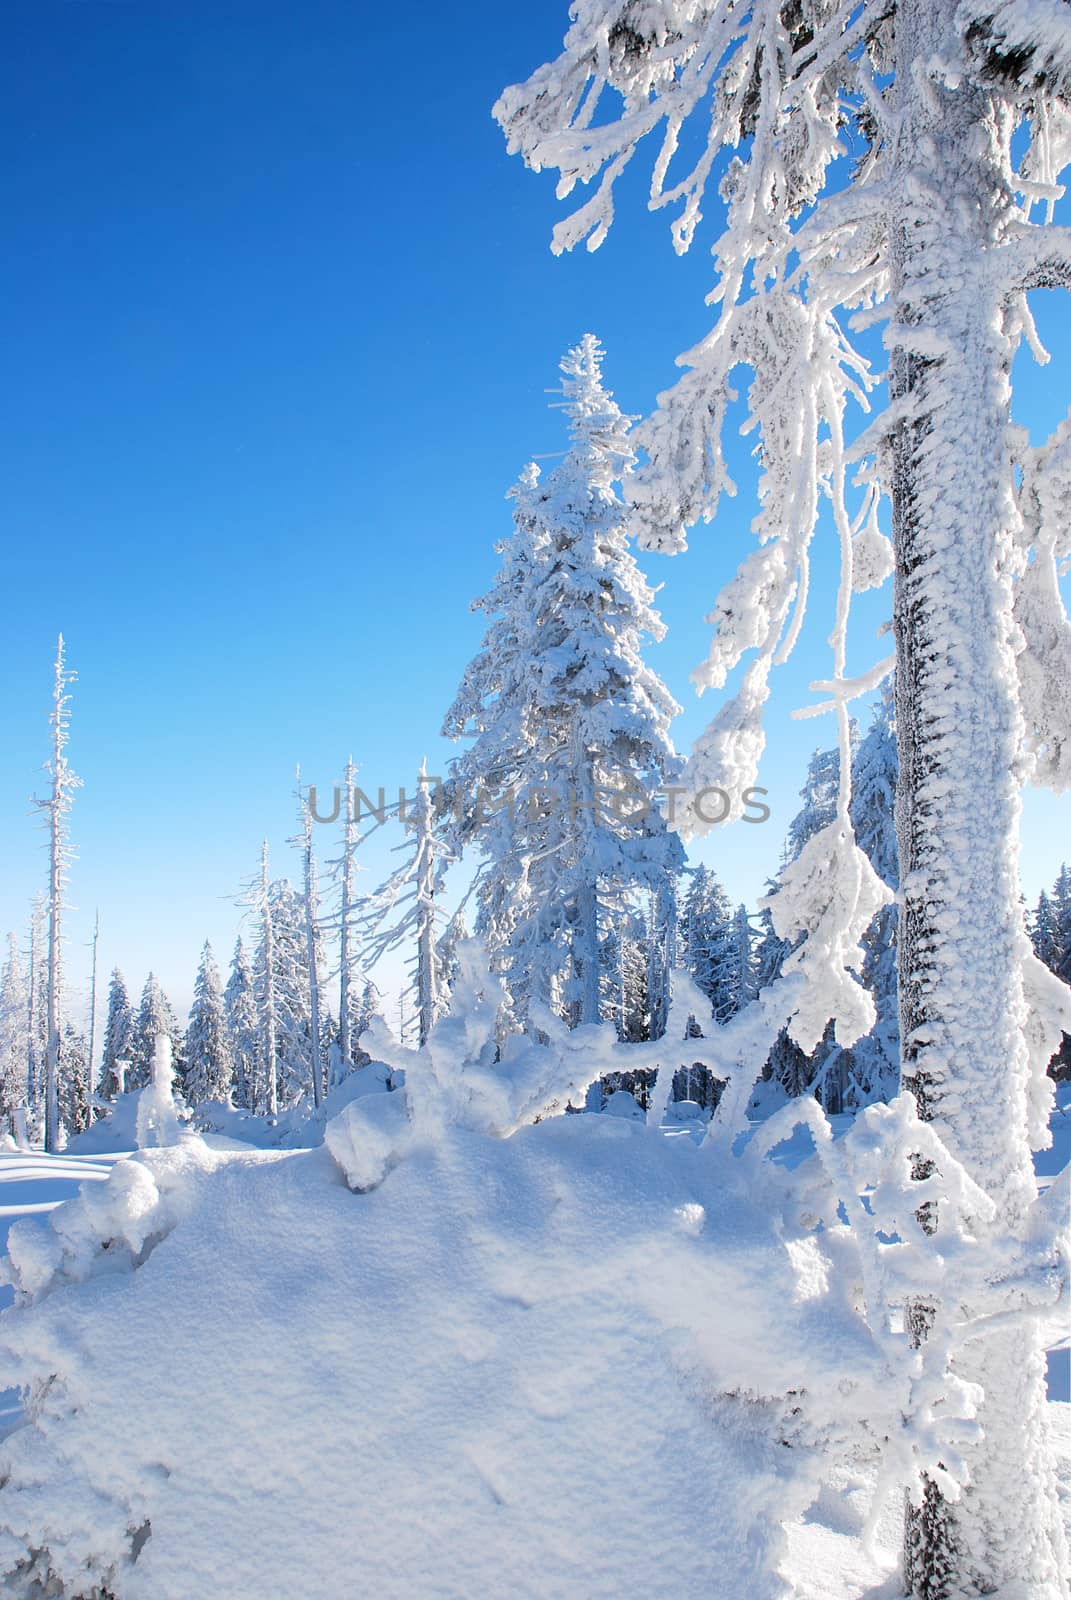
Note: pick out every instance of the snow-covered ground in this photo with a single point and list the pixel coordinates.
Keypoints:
(491, 1374)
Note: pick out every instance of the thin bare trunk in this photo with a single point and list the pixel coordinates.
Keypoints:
(268, 1022)
(345, 954)
(428, 974)
(308, 861)
(56, 808)
(93, 1004)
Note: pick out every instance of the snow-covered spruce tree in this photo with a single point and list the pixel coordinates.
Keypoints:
(790, 1066)
(1060, 963)
(955, 116)
(705, 930)
(119, 1025)
(821, 788)
(454, 934)
(724, 973)
(1061, 895)
(56, 809)
(626, 971)
(74, 1095)
(874, 1066)
(1050, 933)
(404, 912)
(37, 1044)
(629, 958)
(740, 967)
(155, 1016)
(91, 1046)
(496, 677)
(568, 726)
(1045, 933)
(209, 1051)
(286, 959)
(243, 1026)
(869, 1070)
(158, 1121)
(14, 1034)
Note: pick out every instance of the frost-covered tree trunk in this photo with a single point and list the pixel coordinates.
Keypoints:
(312, 911)
(347, 871)
(56, 809)
(960, 729)
(266, 994)
(428, 976)
(35, 1005)
(52, 989)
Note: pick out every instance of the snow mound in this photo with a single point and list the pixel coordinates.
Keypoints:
(685, 1111)
(623, 1104)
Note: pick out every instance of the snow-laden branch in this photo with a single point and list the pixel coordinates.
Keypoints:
(1036, 258)
(1021, 43)
(846, 689)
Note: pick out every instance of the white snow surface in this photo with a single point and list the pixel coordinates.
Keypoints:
(429, 1360)
(563, 1363)
(492, 1374)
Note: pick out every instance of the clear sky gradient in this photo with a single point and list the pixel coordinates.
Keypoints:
(279, 317)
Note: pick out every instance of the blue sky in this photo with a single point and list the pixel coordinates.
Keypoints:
(280, 317)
